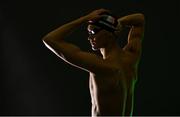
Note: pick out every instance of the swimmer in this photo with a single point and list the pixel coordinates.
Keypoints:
(112, 76)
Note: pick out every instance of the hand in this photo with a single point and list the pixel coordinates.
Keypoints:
(96, 14)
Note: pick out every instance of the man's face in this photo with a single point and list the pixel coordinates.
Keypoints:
(95, 36)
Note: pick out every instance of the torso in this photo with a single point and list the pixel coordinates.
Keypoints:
(109, 91)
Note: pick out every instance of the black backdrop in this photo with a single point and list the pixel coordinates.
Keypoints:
(34, 81)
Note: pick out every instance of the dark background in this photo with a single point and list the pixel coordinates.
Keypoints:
(34, 81)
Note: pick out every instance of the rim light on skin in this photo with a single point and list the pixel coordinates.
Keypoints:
(92, 30)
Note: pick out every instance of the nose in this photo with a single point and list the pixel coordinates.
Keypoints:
(90, 37)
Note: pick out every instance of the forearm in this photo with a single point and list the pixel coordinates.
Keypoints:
(132, 20)
(60, 33)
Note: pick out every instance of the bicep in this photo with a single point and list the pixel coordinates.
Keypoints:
(78, 58)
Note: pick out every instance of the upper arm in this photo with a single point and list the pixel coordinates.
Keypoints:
(136, 23)
(135, 37)
(83, 60)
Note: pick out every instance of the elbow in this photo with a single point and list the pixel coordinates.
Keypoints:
(50, 42)
(51, 39)
(141, 18)
(46, 39)
(141, 15)
(136, 19)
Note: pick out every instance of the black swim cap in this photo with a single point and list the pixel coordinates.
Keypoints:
(107, 22)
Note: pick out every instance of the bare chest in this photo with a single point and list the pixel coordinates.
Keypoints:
(105, 84)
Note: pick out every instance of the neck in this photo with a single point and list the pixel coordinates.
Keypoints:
(109, 50)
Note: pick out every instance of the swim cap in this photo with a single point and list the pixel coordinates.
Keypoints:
(107, 22)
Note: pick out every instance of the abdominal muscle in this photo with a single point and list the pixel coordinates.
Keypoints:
(108, 95)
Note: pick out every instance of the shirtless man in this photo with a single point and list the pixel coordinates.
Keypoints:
(112, 75)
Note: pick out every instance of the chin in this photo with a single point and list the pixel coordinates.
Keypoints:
(95, 48)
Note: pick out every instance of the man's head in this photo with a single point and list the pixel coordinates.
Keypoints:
(101, 31)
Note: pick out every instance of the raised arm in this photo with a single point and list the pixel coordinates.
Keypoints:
(136, 33)
(70, 53)
(136, 19)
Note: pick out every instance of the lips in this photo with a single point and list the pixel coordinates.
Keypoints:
(93, 43)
